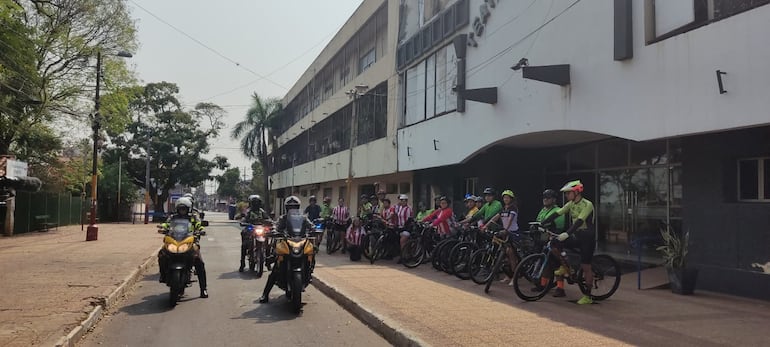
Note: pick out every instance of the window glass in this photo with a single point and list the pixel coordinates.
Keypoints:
(648, 153)
(405, 188)
(391, 188)
(766, 178)
(613, 153)
(748, 175)
(583, 158)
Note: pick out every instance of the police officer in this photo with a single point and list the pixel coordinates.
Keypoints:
(291, 205)
(255, 215)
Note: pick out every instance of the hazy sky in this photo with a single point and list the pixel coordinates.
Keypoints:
(261, 35)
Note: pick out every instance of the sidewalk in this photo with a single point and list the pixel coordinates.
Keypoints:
(441, 310)
(51, 281)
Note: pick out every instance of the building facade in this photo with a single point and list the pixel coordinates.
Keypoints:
(323, 120)
(659, 107)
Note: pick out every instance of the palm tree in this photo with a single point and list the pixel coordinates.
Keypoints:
(256, 132)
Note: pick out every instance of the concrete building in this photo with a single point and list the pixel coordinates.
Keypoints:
(313, 154)
(659, 107)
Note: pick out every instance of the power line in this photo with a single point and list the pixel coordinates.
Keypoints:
(207, 47)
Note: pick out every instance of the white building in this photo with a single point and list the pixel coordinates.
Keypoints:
(659, 107)
(313, 156)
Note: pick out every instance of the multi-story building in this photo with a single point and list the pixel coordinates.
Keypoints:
(660, 107)
(314, 154)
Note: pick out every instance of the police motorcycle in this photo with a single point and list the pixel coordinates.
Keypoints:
(255, 243)
(179, 246)
(295, 257)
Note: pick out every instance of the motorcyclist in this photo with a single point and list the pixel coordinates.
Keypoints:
(291, 205)
(183, 211)
(194, 210)
(255, 215)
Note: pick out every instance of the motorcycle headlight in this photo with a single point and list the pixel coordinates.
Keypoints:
(172, 248)
(296, 250)
(183, 248)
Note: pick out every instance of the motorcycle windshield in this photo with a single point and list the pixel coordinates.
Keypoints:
(179, 229)
(294, 222)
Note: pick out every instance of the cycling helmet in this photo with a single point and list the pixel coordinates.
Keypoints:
(549, 194)
(489, 191)
(470, 197)
(373, 197)
(478, 199)
(327, 199)
(183, 202)
(381, 192)
(291, 202)
(444, 198)
(312, 198)
(509, 193)
(403, 197)
(364, 197)
(573, 186)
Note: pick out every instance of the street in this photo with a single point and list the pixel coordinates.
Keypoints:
(231, 316)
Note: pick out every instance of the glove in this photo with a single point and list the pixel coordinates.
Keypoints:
(562, 236)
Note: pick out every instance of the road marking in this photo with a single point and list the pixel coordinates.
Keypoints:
(210, 238)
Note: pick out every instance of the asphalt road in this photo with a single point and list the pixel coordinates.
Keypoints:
(231, 316)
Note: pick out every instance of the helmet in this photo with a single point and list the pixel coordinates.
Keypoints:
(291, 202)
(327, 199)
(381, 191)
(255, 197)
(184, 202)
(573, 186)
(478, 199)
(403, 197)
(470, 197)
(312, 198)
(189, 196)
(489, 191)
(364, 197)
(444, 198)
(549, 194)
(373, 197)
(509, 193)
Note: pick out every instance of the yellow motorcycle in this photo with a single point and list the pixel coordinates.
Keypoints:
(179, 247)
(295, 252)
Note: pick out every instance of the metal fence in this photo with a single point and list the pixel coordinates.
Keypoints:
(34, 209)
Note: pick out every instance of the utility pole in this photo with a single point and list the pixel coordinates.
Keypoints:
(92, 232)
(147, 184)
(354, 94)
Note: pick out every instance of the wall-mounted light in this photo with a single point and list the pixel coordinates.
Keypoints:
(722, 89)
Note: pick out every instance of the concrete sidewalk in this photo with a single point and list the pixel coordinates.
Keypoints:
(52, 281)
(425, 307)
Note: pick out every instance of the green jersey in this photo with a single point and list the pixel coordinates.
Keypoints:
(365, 210)
(326, 211)
(488, 211)
(580, 210)
(545, 212)
(423, 214)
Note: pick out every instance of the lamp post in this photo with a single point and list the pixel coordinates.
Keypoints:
(358, 91)
(92, 232)
(147, 185)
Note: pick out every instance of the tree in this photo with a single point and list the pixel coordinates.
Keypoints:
(229, 183)
(177, 140)
(257, 131)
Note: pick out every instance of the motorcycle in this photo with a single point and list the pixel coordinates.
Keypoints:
(179, 247)
(255, 244)
(295, 253)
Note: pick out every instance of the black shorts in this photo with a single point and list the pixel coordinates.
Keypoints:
(340, 227)
(584, 241)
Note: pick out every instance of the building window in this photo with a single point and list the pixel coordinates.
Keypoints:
(754, 179)
(665, 18)
(405, 188)
(343, 192)
(429, 85)
(391, 188)
(327, 192)
(366, 61)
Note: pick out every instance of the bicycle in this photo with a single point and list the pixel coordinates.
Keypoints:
(460, 254)
(532, 268)
(419, 246)
(523, 246)
(333, 240)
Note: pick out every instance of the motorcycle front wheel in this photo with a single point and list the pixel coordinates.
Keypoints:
(296, 292)
(260, 259)
(176, 286)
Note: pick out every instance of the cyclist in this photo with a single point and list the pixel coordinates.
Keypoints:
(489, 210)
(378, 201)
(579, 235)
(326, 214)
(508, 217)
(550, 207)
(364, 207)
(440, 218)
(312, 211)
(470, 204)
(403, 213)
(341, 218)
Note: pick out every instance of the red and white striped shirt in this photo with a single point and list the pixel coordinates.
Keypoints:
(403, 213)
(340, 214)
(441, 221)
(389, 216)
(355, 235)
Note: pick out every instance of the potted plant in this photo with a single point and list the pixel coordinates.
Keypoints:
(681, 277)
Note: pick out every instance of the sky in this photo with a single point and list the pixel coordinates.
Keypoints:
(275, 39)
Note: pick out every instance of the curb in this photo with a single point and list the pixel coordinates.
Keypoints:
(77, 333)
(387, 328)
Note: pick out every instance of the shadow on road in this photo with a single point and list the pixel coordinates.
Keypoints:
(151, 304)
(274, 311)
(245, 275)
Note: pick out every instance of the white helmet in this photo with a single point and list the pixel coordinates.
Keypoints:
(184, 201)
(403, 197)
(291, 201)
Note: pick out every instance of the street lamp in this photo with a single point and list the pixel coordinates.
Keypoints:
(92, 232)
(354, 93)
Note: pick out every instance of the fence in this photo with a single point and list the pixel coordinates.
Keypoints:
(61, 209)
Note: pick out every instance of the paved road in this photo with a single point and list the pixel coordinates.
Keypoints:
(231, 316)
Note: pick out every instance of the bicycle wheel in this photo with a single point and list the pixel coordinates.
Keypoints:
(435, 256)
(606, 277)
(379, 250)
(331, 242)
(501, 257)
(412, 254)
(367, 245)
(526, 278)
(444, 256)
(480, 265)
(458, 259)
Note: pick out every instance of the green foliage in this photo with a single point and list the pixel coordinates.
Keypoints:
(177, 140)
(229, 183)
(674, 248)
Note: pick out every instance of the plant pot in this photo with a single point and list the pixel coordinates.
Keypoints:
(682, 280)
